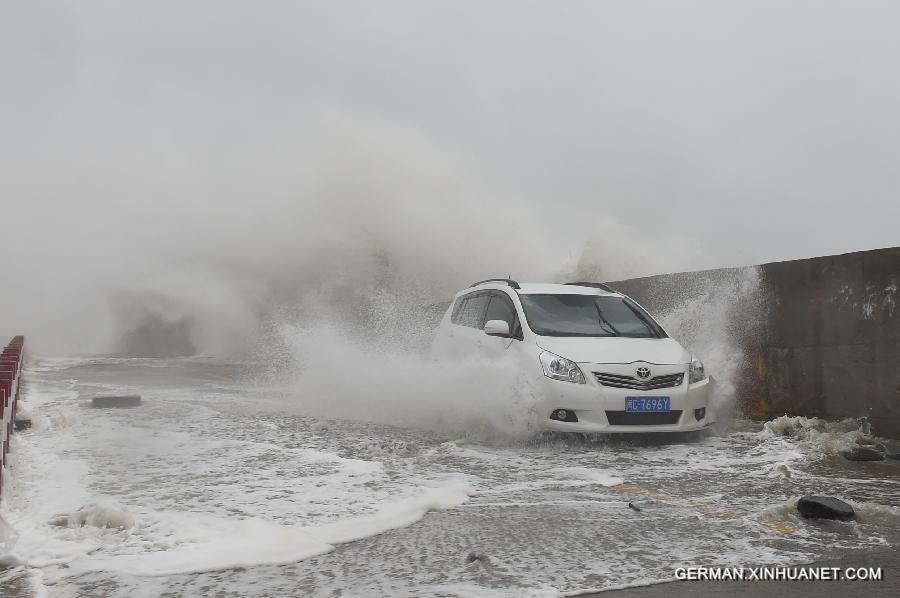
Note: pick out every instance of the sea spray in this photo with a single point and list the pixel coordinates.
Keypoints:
(340, 376)
(714, 319)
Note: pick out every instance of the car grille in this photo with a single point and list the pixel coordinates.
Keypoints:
(623, 418)
(657, 382)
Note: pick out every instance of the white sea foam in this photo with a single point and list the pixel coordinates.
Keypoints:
(8, 537)
(203, 543)
(829, 436)
(44, 486)
(60, 520)
(795, 426)
(878, 514)
(591, 476)
(105, 513)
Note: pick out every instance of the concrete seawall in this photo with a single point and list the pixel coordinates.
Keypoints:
(10, 370)
(821, 336)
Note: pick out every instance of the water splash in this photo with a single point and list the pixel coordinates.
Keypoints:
(714, 318)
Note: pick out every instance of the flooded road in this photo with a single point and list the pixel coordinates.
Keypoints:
(217, 485)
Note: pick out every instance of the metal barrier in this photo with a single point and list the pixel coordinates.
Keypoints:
(10, 375)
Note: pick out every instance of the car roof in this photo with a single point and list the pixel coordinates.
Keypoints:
(543, 288)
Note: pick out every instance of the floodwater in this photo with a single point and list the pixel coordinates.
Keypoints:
(219, 484)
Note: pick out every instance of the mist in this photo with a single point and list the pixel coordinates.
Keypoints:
(187, 179)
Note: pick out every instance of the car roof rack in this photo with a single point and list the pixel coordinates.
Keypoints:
(595, 285)
(508, 281)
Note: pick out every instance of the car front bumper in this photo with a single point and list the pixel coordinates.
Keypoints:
(591, 402)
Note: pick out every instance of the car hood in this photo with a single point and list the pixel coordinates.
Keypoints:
(661, 351)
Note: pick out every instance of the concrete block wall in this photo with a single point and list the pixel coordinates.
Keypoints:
(820, 336)
(832, 345)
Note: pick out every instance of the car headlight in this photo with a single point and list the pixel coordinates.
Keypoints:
(697, 374)
(560, 368)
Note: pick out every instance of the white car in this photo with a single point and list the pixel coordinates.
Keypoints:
(600, 361)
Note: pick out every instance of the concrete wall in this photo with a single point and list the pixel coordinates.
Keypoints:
(821, 337)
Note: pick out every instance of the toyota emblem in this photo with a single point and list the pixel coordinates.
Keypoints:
(643, 373)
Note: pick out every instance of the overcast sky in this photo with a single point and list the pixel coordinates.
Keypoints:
(716, 133)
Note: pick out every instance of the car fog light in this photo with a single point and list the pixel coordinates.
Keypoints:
(700, 413)
(564, 415)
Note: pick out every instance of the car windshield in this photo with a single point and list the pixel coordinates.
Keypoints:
(588, 315)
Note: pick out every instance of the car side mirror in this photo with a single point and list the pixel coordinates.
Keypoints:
(497, 328)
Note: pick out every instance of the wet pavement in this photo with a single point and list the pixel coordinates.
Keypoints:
(230, 487)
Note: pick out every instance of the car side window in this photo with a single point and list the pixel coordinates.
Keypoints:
(470, 311)
(457, 310)
(501, 308)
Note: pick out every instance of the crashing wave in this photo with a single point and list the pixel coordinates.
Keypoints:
(102, 514)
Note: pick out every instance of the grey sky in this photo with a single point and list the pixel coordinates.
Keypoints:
(137, 135)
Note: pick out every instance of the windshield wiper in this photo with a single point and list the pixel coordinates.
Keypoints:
(652, 329)
(604, 321)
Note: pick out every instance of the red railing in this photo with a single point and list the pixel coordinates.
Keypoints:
(10, 368)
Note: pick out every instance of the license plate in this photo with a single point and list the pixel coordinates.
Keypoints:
(645, 404)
